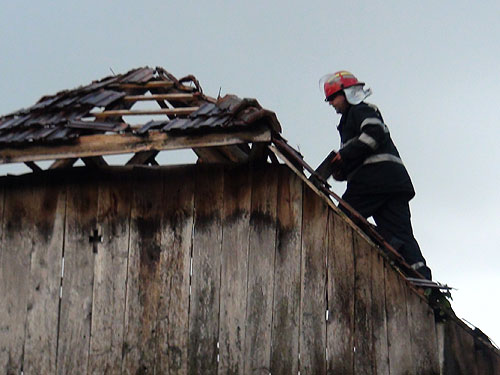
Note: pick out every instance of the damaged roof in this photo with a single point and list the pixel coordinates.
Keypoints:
(104, 107)
(91, 121)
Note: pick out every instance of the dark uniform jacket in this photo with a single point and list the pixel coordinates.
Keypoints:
(371, 161)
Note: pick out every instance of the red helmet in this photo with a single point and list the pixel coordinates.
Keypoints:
(333, 83)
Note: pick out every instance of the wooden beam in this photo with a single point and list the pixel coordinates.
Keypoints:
(113, 144)
(148, 85)
(95, 161)
(63, 163)
(128, 112)
(142, 157)
(234, 153)
(259, 152)
(32, 165)
(134, 98)
(210, 155)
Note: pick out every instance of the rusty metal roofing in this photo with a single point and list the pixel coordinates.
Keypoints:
(100, 107)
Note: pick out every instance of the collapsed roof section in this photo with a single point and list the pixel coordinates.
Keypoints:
(98, 119)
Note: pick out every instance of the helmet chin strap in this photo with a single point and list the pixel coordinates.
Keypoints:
(356, 94)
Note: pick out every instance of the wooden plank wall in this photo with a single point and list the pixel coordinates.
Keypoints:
(463, 353)
(202, 269)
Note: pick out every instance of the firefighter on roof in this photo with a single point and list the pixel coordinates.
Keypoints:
(378, 184)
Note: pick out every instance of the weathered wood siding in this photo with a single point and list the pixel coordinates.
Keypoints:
(205, 270)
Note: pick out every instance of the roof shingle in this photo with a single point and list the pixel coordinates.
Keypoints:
(68, 114)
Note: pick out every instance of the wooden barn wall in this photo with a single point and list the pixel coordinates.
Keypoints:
(204, 270)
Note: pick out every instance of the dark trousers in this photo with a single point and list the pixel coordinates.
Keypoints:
(391, 213)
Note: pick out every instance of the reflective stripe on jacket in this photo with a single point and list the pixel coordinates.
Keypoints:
(370, 158)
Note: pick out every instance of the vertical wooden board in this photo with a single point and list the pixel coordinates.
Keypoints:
(143, 279)
(76, 303)
(2, 202)
(487, 359)
(261, 269)
(379, 317)
(340, 324)
(110, 274)
(234, 271)
(440, 333)
(205, 280)
(398, 334)
(14, 276)
(313, 288)
(458, 351)
(173, 310)
(461, 353)
(423, 335)
(285, 329)
(363, 320)
(45, 278)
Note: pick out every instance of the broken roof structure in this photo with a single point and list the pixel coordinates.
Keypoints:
(90, 122)
(236, 264)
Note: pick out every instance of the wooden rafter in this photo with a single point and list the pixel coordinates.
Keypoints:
(95, 161)
(113, 144)
(210, 155)
(148, 85)
(260, 152)
(33, 166)
(127, 112)
(142, 157)
(234, 153)
(63, 163)
(134, 98)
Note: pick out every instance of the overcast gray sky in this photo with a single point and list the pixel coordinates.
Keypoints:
(433, 67)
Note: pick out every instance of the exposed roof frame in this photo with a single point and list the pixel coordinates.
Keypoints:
(114, 144)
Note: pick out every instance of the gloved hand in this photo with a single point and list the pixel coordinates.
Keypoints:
(316, 181)
(337, 166)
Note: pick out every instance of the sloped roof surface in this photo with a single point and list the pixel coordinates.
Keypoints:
(99, 108)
